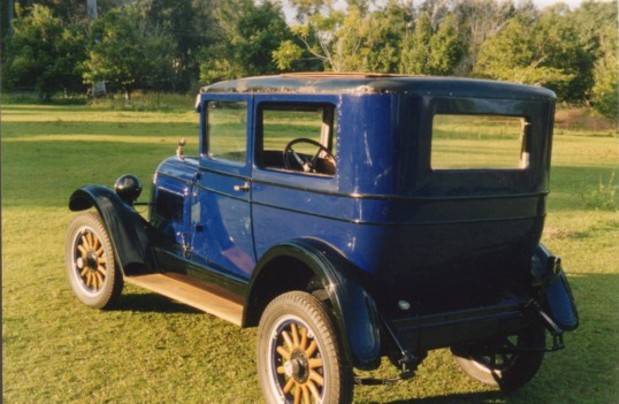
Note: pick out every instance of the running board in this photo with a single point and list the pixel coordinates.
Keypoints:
(190, 292)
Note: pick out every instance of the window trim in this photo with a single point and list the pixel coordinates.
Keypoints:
(329, 112)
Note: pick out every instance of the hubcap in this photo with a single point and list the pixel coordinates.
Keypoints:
(89, 259)
(297, 370)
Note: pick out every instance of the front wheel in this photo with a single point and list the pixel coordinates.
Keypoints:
(91, 268)
(509, 362)
(299, 356)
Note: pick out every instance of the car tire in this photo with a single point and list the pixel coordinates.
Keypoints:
(509, 372)
(299, 355)
(91, 267)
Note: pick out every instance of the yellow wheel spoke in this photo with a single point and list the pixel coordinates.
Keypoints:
(101, 260)
(287, 340)
(285, 354)
(303, 343)
(315, 363)
(306, 395)
(91, 240)
(281, 370)
(297, 395)
(316, 377)
(99, 252)
(82, 250)
(96, 243)
(84, 270)
(295, 334)
(88, 278)
(311, 349)
(312, 388)
(289, 385)
(85, 241)
(99, 279)
(101, 269)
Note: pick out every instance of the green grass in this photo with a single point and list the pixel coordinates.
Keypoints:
(152, 349)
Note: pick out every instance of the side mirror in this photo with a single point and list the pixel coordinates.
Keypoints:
(128, 188)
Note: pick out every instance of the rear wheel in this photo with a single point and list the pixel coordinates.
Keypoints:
(299, 357)
(90, 263)
(508, 363)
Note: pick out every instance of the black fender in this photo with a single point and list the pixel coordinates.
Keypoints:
(129, 232)
(354, 310)
(557, 295)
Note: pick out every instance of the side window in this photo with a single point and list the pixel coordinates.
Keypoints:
(226, 130)
(461, 142)
(298, 137)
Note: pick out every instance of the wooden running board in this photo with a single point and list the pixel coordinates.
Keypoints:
(190, 292)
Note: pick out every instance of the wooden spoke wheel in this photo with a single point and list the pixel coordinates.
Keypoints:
(299, 359)
(90, 262)
(90, 259)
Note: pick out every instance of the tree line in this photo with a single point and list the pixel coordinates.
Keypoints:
(175, 45)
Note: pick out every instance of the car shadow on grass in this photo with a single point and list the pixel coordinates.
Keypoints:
(152, 303)
(480, 397)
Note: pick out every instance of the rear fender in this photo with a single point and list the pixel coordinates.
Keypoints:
(557, 295)
(129, 232)
(354, 309)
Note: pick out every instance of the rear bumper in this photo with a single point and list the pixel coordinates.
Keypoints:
(422, 333)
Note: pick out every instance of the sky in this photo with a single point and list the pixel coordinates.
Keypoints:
(539, 3)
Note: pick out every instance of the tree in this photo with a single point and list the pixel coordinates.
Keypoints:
(43, 52)
(384, 35)
(446, 48)
(606, 88)
(316, 28)
(128, 53)
(478, 20)
(416, 47)
(522, 52)
(190, 24)
(247, 36)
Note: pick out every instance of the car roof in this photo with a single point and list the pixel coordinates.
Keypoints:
(368, 83)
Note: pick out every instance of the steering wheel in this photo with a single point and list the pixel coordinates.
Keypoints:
(308, 165)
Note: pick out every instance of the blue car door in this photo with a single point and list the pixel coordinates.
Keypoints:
(220, 214)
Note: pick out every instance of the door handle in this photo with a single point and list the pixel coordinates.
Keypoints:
(242, 187)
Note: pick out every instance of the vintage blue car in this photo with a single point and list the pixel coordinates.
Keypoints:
(349, 217)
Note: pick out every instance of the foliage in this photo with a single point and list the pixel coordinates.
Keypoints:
(385, 33)
(446, 48)
(604, 197)
(128, 53)
(187, 42)
(523, 58)
(247, 36)
(43, 52)
(606, 74)
(479, 20)
(416, 49)
(190, 24)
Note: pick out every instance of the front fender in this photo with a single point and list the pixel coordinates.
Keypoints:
(557, 295)
(354, 309)
(129, 232)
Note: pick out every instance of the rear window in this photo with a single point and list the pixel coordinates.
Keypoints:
(461, 142)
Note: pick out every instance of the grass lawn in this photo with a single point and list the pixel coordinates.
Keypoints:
(152, 349)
